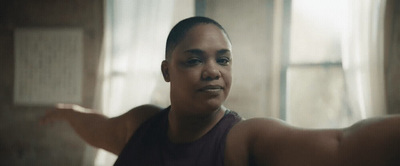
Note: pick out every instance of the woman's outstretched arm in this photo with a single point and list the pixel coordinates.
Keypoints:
(265, 141)
(98, 130)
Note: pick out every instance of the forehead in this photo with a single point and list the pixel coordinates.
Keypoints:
(207, 37)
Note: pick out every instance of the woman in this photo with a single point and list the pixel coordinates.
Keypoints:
(197, 130)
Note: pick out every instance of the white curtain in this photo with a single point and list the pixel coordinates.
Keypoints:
(138, 43)
(135, 37)
(363, 58)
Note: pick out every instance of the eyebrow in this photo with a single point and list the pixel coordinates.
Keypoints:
(195, 51)
(223, 52)
(201, 52)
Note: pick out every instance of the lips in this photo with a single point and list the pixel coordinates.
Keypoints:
(211, 88)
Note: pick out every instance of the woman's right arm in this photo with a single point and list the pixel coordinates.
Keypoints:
(97, 130)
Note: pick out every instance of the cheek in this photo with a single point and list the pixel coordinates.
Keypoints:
(185, 77)
(228, 78)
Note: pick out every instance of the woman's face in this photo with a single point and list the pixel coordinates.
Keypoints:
(200, 69)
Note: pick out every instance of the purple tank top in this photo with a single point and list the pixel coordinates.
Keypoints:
(150, 145)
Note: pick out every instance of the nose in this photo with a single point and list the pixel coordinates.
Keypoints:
(210, 72)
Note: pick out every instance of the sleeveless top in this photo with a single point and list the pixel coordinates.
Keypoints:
(150, 146)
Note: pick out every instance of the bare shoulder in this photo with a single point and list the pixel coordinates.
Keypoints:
(248, 131)
(251, 129)
(268, 141)
(141, 113)
(131, 120)
(241, 139)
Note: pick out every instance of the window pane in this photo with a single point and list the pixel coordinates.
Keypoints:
(316, 30)
(316, 97)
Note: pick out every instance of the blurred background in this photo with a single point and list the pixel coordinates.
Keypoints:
(312, 63)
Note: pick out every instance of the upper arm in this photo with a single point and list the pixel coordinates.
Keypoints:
(125, 125)
(370, 142)
(276, 143)
(377, 139)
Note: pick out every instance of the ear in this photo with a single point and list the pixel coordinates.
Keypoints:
(165, 70)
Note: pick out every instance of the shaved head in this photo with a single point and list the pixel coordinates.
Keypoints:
(179, 31)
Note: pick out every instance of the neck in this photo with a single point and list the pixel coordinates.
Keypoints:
(184, 128)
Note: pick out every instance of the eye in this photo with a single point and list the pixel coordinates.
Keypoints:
(223, 61)
(193, 61)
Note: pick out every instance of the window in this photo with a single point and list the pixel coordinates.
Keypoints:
(317, 86)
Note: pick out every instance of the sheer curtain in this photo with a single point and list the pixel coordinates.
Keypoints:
(138, 43)
(334, 61)
(363, 57)
(134, 48)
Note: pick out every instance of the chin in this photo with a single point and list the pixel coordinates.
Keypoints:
(212, 104)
